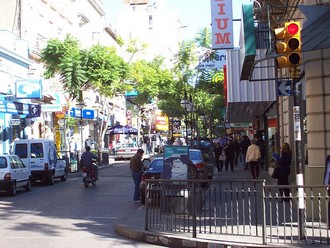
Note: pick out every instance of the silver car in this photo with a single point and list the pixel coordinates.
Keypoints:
(126, 151)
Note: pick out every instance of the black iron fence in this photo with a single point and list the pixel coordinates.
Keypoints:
(238, 210)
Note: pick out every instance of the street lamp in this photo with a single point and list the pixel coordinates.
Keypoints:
(98, 107)
(186, 105)
(80, 105)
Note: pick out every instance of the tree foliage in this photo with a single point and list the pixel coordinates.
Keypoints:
(98, 68)
(66, 59)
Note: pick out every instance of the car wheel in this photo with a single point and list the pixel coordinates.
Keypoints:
(12, 190)
(51, 179)
(28, 185)
(64, 177)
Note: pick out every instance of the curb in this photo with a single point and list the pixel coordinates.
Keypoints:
(176, 241)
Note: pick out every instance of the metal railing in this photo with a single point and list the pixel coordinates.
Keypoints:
(237, 210)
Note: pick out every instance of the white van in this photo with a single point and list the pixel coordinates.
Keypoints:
(41, 156)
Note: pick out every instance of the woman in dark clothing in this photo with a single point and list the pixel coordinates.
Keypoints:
(229, 152)
(217, 152)
(284, 163)
(245, 143)
(237, 150)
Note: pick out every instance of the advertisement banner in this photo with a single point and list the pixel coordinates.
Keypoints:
(28, 89)
(176, 160)
(222, 24)
(217, 60)
(18, 108)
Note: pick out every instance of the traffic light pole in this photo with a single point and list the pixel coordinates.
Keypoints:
(298, 152)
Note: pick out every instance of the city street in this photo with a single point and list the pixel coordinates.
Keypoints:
(69, 215)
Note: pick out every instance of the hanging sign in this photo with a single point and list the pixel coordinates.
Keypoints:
(222, 24)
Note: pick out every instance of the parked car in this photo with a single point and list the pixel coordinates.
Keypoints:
(126, 151)
(14, 174)
(40, 155)
(205, 169)
(152, 171)
(155, 169)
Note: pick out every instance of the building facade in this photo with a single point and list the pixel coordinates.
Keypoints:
(37, 21)
(310, 125)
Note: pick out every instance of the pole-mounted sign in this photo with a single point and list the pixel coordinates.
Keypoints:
(284, 88)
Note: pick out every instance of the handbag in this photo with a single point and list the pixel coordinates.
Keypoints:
(222, 156)
(276, 172)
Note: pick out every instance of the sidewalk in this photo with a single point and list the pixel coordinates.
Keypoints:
(132, 227)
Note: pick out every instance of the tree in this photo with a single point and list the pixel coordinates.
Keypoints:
(98, 68)
(66, 59)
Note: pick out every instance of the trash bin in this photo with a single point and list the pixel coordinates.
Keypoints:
(105, 157)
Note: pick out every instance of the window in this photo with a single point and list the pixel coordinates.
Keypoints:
(157, 165)
(13, 163)
(19, 162)
(3, 162)
(21, 150)
(36, 150)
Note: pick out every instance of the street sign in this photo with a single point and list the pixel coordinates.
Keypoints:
(284, 88)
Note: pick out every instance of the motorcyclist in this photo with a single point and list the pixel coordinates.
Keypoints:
(87, 161)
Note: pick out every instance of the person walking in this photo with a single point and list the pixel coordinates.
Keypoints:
(236, 148)
(217, 151)
(262, 145)
(284, 163)
(73, 149)
(252, 157)
(244, 146)
(229, 152)
(136, 165)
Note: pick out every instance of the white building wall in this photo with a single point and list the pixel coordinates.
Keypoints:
(152, 25)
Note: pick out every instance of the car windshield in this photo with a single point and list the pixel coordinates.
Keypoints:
(194, 155)
(156, 165)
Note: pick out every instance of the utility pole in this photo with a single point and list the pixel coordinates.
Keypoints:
(298, 152)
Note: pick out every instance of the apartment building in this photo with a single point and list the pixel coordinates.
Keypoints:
(33, 23)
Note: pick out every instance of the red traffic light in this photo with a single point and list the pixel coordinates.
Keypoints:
(292, 28)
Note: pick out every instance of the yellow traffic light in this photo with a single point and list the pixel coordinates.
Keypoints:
(288, 45)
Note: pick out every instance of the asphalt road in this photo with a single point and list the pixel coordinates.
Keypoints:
(68, 215)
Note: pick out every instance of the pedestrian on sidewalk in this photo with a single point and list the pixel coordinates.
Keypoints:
(229, 152)
(136, 166)
(236, 148)
(262, 145)
(217, 151)
(252, 157)
(244, 146)
(284, 163)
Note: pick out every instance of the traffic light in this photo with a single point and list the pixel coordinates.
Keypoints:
(288, 45)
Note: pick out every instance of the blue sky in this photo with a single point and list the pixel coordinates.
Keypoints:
(195, 14)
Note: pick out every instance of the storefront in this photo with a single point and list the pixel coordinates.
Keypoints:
(15, 121)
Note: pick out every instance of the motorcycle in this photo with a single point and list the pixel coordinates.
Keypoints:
(87, 177)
